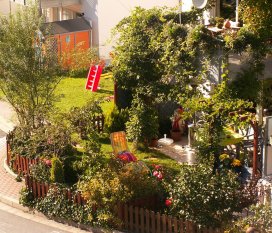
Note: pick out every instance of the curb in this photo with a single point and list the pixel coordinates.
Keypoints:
(5, 125)
(8, 170)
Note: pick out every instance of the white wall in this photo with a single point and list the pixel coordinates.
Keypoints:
(6, 6)
(108, 13)
(186, 5)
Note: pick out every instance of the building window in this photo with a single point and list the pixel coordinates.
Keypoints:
(67, 14)
(228, 9)
(67, 39)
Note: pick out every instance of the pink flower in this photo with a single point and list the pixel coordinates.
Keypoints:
(155, 173)
(159, 176)
(168, 202)
(48, 162)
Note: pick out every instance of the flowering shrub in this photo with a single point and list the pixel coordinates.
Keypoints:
(206, 198)
(260, 218)
(157, 171)
(229, 162)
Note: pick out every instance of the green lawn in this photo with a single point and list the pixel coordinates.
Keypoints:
(74, 94)
(149, 157)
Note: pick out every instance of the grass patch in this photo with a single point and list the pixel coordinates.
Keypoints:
(149, 156)
(73, 93)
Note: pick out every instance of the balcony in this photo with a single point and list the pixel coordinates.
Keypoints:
(74, 5)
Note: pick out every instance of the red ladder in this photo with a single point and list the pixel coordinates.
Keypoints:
(93, 78)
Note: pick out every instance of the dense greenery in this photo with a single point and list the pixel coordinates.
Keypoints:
(258, 16)
(155, 57)
(29, 69)
(206, 198)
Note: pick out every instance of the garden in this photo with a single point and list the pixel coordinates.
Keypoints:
(61, 146)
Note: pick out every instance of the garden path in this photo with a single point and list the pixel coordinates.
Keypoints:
(180, 151)
(9, 187)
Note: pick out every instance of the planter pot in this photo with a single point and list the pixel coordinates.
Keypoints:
(176, 135)
(153, 142)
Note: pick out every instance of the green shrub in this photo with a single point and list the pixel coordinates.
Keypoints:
(48, 139)
(56, 204)
(26, 197)
(206, 198)
(260, 217)
(56, 172)
(116, 120)
(143, 124)
(40, 172)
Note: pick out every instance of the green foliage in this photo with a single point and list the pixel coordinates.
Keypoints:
(205, 198)
(114, 184)
(26, 197)
(219, 22)
(257, 15)
(40, 172)
(82, 119)
(250, 91)
(48, 139)
(246, 40)
(215, 116)
(28, 65)
(56, 172)
(56, 204)
(260, 217)
(116, 120)
(143, 124)
(266, 87)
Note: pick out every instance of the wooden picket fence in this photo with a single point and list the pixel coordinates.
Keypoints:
(20, 164)
(265, 194)
(140, 220)
(137, 219)
(40, 190)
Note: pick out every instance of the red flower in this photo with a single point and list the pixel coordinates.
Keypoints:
(168, 202)
(157, 167)
(47, 162)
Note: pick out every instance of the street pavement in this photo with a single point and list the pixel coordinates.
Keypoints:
(16, 221)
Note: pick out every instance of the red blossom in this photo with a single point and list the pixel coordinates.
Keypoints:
(168, 202)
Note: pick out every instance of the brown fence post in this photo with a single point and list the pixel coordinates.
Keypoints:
(8, 152)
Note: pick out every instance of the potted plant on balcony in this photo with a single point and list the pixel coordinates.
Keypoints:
(177, 125)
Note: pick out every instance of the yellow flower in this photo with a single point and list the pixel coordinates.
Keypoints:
(236, 163)
(223, 157)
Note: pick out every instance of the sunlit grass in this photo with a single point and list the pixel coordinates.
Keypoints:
(74, 94)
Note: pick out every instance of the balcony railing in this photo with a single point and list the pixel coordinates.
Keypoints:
(59, 3)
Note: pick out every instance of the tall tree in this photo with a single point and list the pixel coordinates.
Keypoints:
(28, 65)
(258, 15)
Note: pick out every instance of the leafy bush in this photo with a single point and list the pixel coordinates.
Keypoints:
(114, 184)
(26, 197)
(40, 172)
(260, 217)
(56, 204)
(82, 122)
(56, 172)
(103, 191)
(143, 124)
(206, 198)
(48, 139)
(116, 120)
